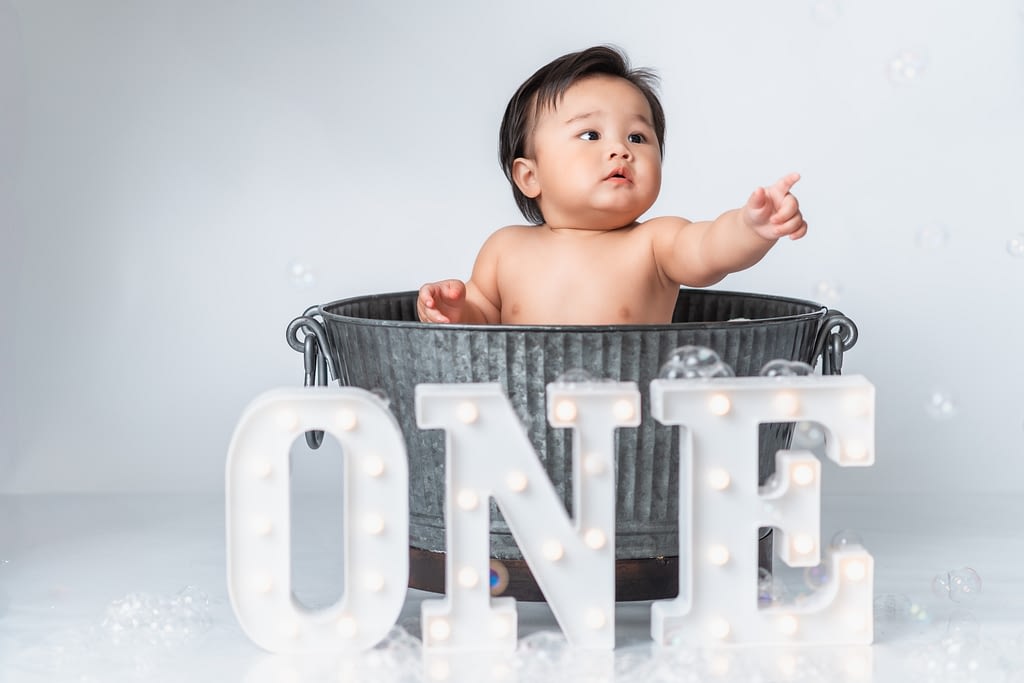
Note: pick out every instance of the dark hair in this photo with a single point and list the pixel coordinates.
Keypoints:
(546, 87)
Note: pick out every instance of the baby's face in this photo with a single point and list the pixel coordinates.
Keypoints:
(597, 158)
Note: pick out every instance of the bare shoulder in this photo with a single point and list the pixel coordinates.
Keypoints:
(662, 223)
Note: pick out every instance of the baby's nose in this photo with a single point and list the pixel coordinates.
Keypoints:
(619, 151)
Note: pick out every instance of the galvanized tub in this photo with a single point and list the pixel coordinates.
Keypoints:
(377, 342)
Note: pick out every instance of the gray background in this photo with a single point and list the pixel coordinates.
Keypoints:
(180, 179)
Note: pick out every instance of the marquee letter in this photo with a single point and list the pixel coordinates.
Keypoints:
(721, 509)
(490, 456)
(376, 520)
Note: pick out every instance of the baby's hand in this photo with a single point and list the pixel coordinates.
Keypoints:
(441, 302)
(773, 212)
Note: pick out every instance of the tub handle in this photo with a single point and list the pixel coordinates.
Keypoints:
(836, 335)
(313, 347)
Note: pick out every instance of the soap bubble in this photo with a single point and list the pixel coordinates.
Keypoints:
(962, 625)
(781, 367)
(301, 274)
(828, 292)
(690, 362)
(907, 67)
(769, 591)
(959, 585)
(1015, 245)
(575, 376)
(817, 576)
(941, 405)
(845, 538)
(932, 236)
(826, 12)
(810, 434)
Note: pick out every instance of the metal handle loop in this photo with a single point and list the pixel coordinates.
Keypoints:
(836, 335)
(314, 350)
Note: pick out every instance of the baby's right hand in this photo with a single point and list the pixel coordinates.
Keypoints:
(441, 302)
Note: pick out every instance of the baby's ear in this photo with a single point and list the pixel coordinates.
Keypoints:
(524, 173)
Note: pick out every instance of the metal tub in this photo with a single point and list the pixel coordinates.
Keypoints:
(376, 342)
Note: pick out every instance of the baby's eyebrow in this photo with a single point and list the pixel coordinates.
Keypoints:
(586, 115)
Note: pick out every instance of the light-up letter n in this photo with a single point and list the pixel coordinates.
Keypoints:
(721, 508)
(490, 456)
(376, 520)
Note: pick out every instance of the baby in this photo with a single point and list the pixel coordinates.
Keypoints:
(581, 143)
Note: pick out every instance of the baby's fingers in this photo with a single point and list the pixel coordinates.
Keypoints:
(787, 209)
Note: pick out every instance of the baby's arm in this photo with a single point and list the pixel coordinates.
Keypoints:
(701, 254)
(455, 301)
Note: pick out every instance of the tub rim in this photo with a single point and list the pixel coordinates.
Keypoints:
(818, 312)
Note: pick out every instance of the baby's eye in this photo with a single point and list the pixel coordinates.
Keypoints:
(590, 135)
(637, 138)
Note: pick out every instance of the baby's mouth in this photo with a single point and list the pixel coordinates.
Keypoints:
(618, 174)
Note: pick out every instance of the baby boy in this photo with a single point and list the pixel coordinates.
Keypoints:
(581, 143)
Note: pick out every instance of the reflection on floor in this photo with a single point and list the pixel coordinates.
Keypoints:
(112, 588)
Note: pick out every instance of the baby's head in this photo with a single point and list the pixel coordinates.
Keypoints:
(544, 91)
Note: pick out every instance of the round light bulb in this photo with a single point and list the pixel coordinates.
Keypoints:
(287, 420)
(788, 624)
(468, 577)
(262, 526)
(516, 482)
(262, 469)
(289, 629)
(552, 550)
(595, 539)
(467, 412)
(500, 626)
(787, 403)
(855, 450)
(857, 405)
(262, 583)
(803, 474)
(467, 499)
(719, 479)
(718, 555)
(623, 410)
(855, 570)
(565, 410)
(593, 464)
(803, 544)
(373, 582)
(719, 405)
(373, 524)
(373, 466)
(440, 629)
(720, 628)
(347, 420)
(347, 627)
(595, 619)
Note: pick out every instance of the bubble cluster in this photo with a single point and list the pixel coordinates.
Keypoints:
(907, 67)
(817, 576)
(769, 591)
(140, 619)
(828, 292)
(931, 236)
(781, 367)
(301, 274)
(693, 362)
(1015, 245)
(959, 585)
(941, 405)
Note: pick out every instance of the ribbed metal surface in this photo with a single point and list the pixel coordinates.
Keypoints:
(379, 344)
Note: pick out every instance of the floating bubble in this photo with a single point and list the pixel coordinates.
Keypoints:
(691, 362)
(781, 367)
(962, 625)
(907, 67)
(817, 576)
(826, 12)
(810, 433)
(845, 538)
(931, 236)
(575, 376)
(1015, 245)
(941, 405)
(959, 585)
(769, 591)
(301, 274)
(828, 292)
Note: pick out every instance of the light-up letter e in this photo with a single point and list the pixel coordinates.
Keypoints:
(490, 456)
(376, 520)
(721, 508)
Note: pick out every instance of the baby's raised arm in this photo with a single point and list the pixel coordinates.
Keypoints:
(700, 254)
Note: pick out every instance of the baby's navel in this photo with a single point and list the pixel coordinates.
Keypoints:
(625, 313)
(515, 309)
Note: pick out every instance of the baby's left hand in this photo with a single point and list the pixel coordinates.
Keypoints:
(773, 212)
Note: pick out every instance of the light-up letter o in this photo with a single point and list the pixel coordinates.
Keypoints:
(376, 520)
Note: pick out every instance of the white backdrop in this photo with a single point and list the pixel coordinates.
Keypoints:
(178, 179)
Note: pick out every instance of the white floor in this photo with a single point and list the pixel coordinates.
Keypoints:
(113, 588)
